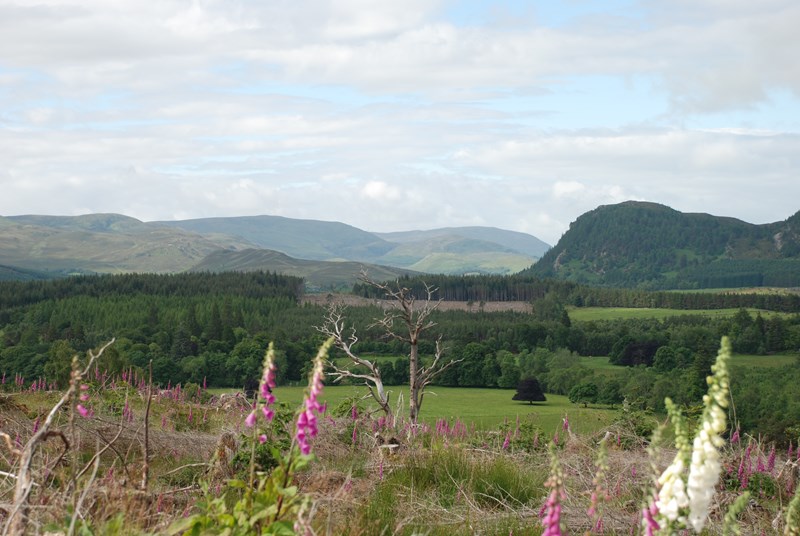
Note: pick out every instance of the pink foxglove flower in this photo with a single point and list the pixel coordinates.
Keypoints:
(83, 397)
(266, 385)
(307, 420)
(771, 460)
(250, 420)
(552, 509)
(649, 514)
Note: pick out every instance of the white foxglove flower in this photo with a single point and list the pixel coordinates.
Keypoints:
(672, 496)
(705, 467)
(672, 499)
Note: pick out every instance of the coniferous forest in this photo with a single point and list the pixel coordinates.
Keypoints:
(214, 328)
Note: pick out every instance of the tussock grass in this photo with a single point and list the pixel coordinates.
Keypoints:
(436, 484)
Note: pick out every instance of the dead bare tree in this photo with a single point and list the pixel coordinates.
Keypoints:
(18, 516)
(414, 318)
(334, 326)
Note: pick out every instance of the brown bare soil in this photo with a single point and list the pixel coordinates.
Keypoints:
(473, 307)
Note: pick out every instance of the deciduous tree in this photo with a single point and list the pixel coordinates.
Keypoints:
(529, 390)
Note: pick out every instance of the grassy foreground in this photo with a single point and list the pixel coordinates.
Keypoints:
(447, 479)
(113, 456)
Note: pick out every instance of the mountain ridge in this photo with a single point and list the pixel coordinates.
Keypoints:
(38, 245)
(643, 244)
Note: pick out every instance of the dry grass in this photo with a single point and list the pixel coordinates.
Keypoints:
(432, 485)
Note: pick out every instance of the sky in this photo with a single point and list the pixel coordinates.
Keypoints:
(399, 115)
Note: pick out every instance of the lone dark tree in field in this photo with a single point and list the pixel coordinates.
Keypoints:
(405, 320)
(344, 339)
(529, 390)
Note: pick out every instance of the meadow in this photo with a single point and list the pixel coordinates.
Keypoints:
(601, 363)
(586, 314)
(485, 408)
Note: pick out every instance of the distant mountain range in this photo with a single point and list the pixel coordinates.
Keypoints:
(327, 254)
(630, 244)
(647, 245)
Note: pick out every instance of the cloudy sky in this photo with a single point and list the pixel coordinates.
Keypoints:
(397, 115)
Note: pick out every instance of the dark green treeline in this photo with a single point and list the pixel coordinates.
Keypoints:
(215, 327)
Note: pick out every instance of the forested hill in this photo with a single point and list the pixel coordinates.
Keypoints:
(637, 244)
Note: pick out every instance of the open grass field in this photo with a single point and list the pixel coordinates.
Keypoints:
(601, 364)
(777, 360)
(486, 408)
(781, 291)
(585, 314)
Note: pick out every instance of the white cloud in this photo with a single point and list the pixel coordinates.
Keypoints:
(338, 109)
(567, 188)
(380, 191)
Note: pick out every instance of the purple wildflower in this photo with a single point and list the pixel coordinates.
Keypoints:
(307, 420)
(83, 397)
(250, 421)
(651, 526)
(552, 509)
(771, 459)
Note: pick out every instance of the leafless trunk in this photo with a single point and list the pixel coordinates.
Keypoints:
(414, 319)
(334, 326)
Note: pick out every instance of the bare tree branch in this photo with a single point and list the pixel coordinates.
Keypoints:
(414, 319)
(334, 326)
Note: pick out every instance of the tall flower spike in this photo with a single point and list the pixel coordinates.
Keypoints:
(706, 465)
(307, 420)
(266, 385)
(672, 498)
(599, 493)
(268, 377)
(552, 515)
